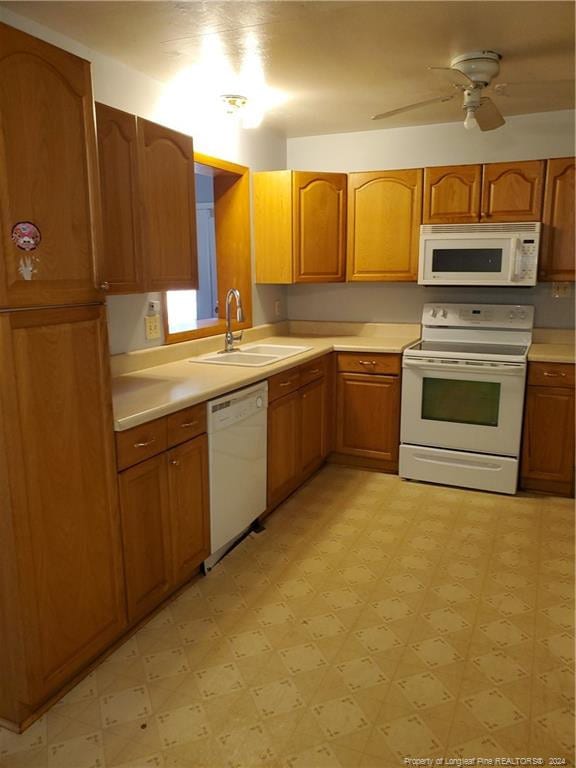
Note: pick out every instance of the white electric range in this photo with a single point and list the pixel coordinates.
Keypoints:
(463, 396)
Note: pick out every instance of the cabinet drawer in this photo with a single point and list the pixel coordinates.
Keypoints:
(186, 424)
(551, 374)
(313, 370)
(368, 362)
(135, 445)
(283, 383)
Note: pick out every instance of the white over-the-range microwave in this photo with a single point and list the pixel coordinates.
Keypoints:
(479, 254)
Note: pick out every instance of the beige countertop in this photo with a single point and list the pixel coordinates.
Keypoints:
(150, 393)
(551, 353)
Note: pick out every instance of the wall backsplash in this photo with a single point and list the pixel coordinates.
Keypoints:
(402, 302)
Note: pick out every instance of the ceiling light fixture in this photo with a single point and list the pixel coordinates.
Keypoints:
(233, 102)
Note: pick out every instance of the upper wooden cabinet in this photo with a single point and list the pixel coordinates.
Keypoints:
(148, 205)
(557, 249)
(120, 264)
(512, 191)
(452, 194)
(300, 227)
(460, 194)
(61, 591)
(169, 215)
(384, 213)
(48, 175)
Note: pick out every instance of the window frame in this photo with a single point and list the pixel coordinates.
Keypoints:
(233, 248)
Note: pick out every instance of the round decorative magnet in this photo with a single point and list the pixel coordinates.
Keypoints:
(26, 235)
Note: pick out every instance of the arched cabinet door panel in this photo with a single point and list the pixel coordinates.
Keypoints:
(384, 212)
(452, 194)
(557, 249)
(169, 207)
(120, 266)
(512, 191)
(49, 215)
(319, 216)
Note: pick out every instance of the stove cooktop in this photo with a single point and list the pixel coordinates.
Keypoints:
(462, 348)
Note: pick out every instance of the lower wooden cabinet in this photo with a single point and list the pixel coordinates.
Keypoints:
(548, 435)
(189, 507)
(61, 587)
(165, 523)
(297, 428)
(368, 410)
(146, 532)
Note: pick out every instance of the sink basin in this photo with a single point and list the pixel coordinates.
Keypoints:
(252, 356)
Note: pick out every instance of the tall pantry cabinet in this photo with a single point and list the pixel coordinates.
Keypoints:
(61, 595)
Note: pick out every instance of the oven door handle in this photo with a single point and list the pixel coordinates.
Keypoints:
(510, 369)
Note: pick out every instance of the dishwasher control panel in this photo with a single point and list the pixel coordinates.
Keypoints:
(237, 406)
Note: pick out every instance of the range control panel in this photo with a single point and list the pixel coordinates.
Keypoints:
(510, 316)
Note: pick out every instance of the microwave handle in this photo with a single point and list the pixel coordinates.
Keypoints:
(513, 269)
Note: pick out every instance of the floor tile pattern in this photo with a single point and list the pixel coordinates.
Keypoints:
(373, 620)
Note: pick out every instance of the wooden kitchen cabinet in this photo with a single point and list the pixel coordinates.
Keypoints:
(557, 251)
(368, 410)
(313, 430)
(512, 191)
(384, 214)
(146, 534)
(495, 192)
(169, 207)
(452, 194)
(298, 426)
(165, 507)
(547, 462)
(48, 175)
(121, 269)
(299, 226)
(61, 590)
(284, 464)
(189, 507)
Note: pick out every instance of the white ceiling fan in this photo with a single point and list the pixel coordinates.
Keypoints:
(469, 73)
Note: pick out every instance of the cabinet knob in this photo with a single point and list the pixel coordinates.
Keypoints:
(175, 462)
(105, 286)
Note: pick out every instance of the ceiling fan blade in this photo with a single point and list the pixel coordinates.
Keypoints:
(488, 115)
(417, 105)
(453, 76)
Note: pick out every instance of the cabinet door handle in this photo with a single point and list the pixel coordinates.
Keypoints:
(286, 383)
(552, 375)
(367, 362)
(145, 443)
(187, 424)
(175, 462)
(315, 370)
(105, 286)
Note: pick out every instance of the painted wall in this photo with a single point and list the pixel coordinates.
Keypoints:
(525, 137)
(170, 104)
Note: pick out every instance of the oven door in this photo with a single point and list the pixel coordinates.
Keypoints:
(467, 405)
(459, 260)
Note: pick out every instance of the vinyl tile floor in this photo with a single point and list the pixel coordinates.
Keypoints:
(372, 623)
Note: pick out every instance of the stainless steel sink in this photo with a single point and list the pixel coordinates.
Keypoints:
(252, 356)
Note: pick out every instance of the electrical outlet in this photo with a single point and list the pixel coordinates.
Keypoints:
(152, 325)
(277, 308)
(561, 290)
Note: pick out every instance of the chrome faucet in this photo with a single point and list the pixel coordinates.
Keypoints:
(230, 337)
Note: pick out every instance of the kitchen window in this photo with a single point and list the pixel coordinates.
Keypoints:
(223, 232)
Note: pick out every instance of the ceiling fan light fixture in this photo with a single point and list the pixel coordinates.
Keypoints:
(470, 122)
(233, 102)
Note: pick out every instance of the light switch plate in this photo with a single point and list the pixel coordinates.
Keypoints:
(152, 325)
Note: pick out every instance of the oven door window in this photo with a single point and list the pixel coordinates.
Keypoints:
(461, 401)
(467, 260)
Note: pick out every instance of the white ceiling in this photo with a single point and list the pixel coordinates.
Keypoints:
(339, 62)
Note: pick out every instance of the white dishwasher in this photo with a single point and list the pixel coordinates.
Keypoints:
(237, 431)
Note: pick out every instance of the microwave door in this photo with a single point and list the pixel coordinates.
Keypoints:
(483, 261)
